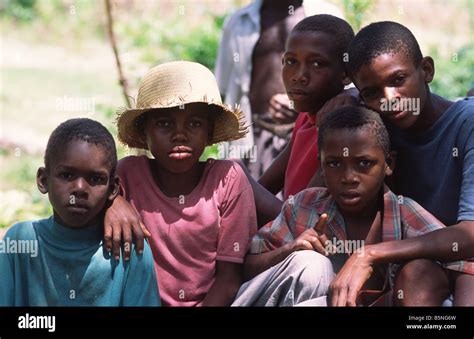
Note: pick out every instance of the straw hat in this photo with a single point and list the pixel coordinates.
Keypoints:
(175, 84)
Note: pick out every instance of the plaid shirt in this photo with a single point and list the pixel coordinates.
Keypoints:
(403, 218)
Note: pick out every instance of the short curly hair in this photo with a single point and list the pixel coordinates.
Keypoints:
(339, 29)
(81, 129)
(384, 37)
(354, 118)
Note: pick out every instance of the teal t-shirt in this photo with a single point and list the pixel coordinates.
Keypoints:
(43, 263)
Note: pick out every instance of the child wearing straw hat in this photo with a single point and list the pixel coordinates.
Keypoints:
(201, 215)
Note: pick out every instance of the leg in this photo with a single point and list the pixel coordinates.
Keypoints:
(302, 276)
(463, 289)
(421, 282)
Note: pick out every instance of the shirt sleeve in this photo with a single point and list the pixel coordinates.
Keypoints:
(466, 199)
(7, 290)
(225, 59)
(238, 217)
(141, 287)
(277, 232)
(7, 273)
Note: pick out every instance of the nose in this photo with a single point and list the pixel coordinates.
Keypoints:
(301, 75)
(390, 93)
(180, 133)
(349, 176)
(80, 188)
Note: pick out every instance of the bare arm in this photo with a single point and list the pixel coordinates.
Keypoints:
(226, 285)
(447, 244)
(267, 205)
(311, 239)
(121, 221)
(274, 177)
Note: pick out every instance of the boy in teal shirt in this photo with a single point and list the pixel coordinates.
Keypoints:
(60, 261)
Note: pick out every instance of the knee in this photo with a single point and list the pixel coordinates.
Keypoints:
(313, 269)
(420, 282)
(415, 271)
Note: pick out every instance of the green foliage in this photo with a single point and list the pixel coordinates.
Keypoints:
(20, 10)
(210, 152)
(173, 39)
(355, 10)
(454, 73)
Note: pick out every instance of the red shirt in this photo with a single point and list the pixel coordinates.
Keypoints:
(303, 162)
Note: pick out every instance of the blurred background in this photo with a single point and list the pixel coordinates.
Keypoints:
(57, 62)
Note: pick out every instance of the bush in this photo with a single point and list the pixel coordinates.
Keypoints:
(454, 73)
(20, 10)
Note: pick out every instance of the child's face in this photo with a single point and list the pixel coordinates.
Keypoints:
(312, 72)
(78, 184)
(177, 137)
(393, 86)
(354, 169)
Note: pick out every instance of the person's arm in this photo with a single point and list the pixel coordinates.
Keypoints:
(311, 239)
(120, 222)
(225, 58)
(274, 177)
(445, 244)
(267, 205)
(226, 285)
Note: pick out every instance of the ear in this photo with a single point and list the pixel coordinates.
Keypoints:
(390, 163)
(427, 69)
(114, 187)
(42, 180)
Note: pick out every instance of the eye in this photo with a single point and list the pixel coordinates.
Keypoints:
(316, 63)
(98, 179)
(289, 61)
(162, 123)
(370, 94)
(333, 163)
(399, 79)
(196, 123)
(365, 163)
(65, 175)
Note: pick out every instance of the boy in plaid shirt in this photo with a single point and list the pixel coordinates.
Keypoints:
(358, 223)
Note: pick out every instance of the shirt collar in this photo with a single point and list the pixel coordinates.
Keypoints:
(391, 227)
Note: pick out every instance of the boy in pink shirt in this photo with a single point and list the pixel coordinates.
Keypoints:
(201, 215)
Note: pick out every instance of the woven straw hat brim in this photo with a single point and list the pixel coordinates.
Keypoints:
(174, 84)
(229, 125)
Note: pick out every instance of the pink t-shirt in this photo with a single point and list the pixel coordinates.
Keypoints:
(303, 162)
(216, 221)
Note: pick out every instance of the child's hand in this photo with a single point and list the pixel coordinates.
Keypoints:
(314, 239)
(345, 287)
(281, 109)
(121, 219)
(349, 97)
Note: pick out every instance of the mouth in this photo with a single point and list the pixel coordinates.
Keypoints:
(77, 208)
(350, 198)
(180, 152)
(297, 94)
(397, 115)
